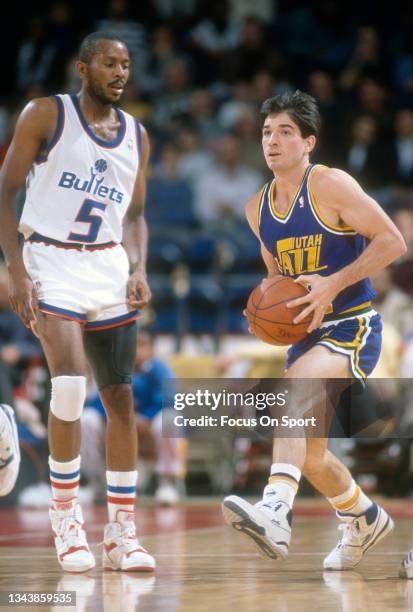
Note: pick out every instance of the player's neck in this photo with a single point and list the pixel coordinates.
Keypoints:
(92, 108)
(290, 178)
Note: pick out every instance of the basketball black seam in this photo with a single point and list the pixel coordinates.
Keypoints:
(283, 302)
(277, 322)
(270, 287)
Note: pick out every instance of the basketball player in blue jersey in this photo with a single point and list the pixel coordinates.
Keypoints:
(318, 226)
(81, 279)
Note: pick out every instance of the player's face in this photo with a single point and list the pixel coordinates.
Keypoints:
(282, 143)
(108, 72)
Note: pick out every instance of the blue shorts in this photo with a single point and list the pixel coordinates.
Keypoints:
(359, 338)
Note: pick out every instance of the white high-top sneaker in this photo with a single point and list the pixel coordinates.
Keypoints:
(406, 569)
(9, 450)
(267, 523)
(121, 548)
(73, 552)
(360, 533)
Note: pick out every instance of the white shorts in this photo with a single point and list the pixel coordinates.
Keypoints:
(84, 286)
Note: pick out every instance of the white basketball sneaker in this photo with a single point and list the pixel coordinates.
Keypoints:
(121, 548)
(73, 552)
(406, 569)
(360, 533)
(9, 450)
(267, 523)
(167, 494)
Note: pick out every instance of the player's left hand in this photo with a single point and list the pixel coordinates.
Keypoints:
(138, 291)
(322, 291)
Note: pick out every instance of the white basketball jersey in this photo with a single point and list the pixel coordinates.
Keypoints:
(80, 189)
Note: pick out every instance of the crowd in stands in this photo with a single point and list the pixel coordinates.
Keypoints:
(200, 71)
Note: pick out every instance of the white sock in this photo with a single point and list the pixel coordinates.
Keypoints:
(121, 493)
(64, 479)
(352, 501)
(283, 482)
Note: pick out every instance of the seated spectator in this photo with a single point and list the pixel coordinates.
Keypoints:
(264, 85)
(194, 159)
(211, 38)
(203, 115)
(222, 191)
(119, 22)
(322, 87)
(150, 374)
(174, 101)
(35, 56)
(162, 51)
(403, 70)
(373, 100)
(368, 59)
(400, 154)
(248, 130)
(363, 156)
(253, 53)
(169, 197)
(232, 109)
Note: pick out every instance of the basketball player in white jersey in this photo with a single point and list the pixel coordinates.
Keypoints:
(80, 280)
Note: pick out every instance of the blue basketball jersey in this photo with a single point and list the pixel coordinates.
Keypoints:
(303, 242)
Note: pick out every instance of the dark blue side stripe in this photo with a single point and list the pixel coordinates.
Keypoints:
(285, 474)
(124, 317)
(63, 311)
(112, 489)
(65, 476)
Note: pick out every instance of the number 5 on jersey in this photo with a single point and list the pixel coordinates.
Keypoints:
(84, 216)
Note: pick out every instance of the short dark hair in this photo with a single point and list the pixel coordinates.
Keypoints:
(301, 107)
(89, 45)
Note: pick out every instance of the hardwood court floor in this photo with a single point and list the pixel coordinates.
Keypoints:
(205, 566)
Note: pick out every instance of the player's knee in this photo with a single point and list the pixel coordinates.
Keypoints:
(118, 401)
(68, 397)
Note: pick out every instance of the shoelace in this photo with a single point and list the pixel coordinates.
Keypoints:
(72, 532)
(128, 537)
(351, 533)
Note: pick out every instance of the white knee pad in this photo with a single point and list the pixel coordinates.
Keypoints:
(68, 397)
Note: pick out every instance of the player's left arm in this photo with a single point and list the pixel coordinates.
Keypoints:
(337, 191)
(135, 234)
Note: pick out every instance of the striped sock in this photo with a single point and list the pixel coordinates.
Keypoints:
(352, 501)
(121, 492)
(64, 479)
(283, 482)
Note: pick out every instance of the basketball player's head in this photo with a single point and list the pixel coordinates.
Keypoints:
(290, 129)
(103, 66)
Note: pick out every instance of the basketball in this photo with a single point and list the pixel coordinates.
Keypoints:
(268, 316)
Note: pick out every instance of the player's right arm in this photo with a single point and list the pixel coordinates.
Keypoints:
(34, 130)
(251, 212)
